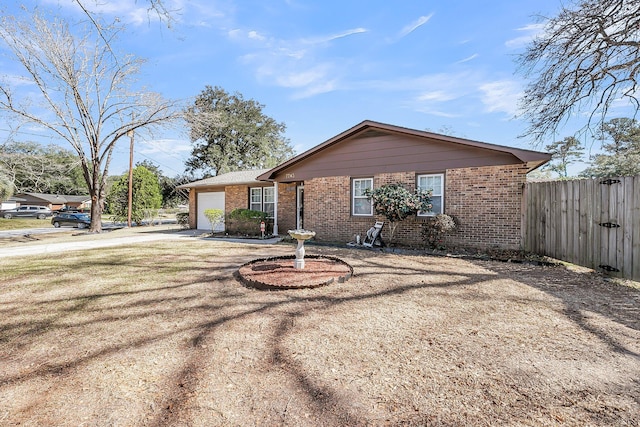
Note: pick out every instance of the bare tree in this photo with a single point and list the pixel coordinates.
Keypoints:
(586, 58)
(85, 92)
(34, 167)
(6, 186)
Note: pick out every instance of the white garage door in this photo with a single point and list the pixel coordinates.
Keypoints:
(209, 201)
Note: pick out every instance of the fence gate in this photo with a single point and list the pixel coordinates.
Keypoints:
(590, 222)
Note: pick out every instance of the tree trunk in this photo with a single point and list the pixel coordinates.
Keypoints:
(96, 214)
(392, 234)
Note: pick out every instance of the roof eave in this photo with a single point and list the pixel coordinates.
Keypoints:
(526, 156)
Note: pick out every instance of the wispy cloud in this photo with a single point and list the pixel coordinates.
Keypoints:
(467, 59)
(331, 37)
(528, 33)
(296, 64)
(196, 12)
(437, 95)
(408, 29)
(501, 96)
(13, 80)
(304, 77)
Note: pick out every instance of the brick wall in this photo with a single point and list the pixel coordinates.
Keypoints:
(286, 207)
(486, 203)
(193, 214)
(235, 197)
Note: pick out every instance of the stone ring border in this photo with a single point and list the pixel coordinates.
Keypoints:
(267, 287)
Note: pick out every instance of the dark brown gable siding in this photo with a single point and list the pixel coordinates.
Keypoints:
(373, 153)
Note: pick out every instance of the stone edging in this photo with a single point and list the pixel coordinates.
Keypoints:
(268, 287)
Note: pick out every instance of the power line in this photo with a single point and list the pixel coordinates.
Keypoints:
(118, 150)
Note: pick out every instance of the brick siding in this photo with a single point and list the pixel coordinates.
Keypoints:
(485, 201)
(235, 197)
(193, 214)
(287, 213)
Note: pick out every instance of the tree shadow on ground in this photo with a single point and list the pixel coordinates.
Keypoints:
(582, 294)
(212, 299)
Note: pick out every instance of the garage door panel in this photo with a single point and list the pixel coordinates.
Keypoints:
(209, 200)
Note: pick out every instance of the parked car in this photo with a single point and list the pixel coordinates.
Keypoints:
(27, 211)
(79, 220)
(66, 210)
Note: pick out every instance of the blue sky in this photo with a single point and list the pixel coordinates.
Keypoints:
(322, 67)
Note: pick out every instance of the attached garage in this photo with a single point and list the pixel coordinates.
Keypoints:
(209, 200)
(228, 191)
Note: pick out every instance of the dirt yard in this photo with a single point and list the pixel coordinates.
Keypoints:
(162, 334)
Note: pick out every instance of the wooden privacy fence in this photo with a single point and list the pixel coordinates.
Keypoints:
(590, 222)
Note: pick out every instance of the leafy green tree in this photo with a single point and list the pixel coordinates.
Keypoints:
(171, 196)
(146, 195)
(563, 153)
(396, 204)
(621, 145)
(584, 59)
(230, 133)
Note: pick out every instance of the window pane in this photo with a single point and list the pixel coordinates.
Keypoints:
(268, 209)
(434, 183)
(436, 202)
(362, 206)
(268, 195)
(256, 196)
(255, 206)
(361, 185)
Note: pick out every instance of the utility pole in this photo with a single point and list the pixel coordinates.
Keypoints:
(130, 205)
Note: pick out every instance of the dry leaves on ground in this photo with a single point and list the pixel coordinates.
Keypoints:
(163, 334)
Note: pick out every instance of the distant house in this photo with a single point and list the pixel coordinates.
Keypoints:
(52, 201)
(479, 184)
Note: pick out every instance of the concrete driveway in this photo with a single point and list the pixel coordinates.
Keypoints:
(24, 231)
(53, 247)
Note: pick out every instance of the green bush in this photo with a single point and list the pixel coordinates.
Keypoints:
(183, 219)
(397, 203)
(247, 222)
(215, 217)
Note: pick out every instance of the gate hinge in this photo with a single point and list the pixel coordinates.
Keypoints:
(608, 268)
(609, 181)
(609, 224)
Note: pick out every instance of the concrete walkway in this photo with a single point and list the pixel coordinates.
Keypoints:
(48, 248)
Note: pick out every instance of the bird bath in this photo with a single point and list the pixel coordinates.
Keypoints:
(300, 236)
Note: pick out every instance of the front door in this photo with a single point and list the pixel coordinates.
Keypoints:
(300, 207)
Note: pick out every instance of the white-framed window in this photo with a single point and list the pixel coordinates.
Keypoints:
(268, 201)
(360, 204)
(262, 199)
(255, 199)
(435, 184)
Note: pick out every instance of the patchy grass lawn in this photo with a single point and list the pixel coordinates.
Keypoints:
(163, 334)
(18, 223)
